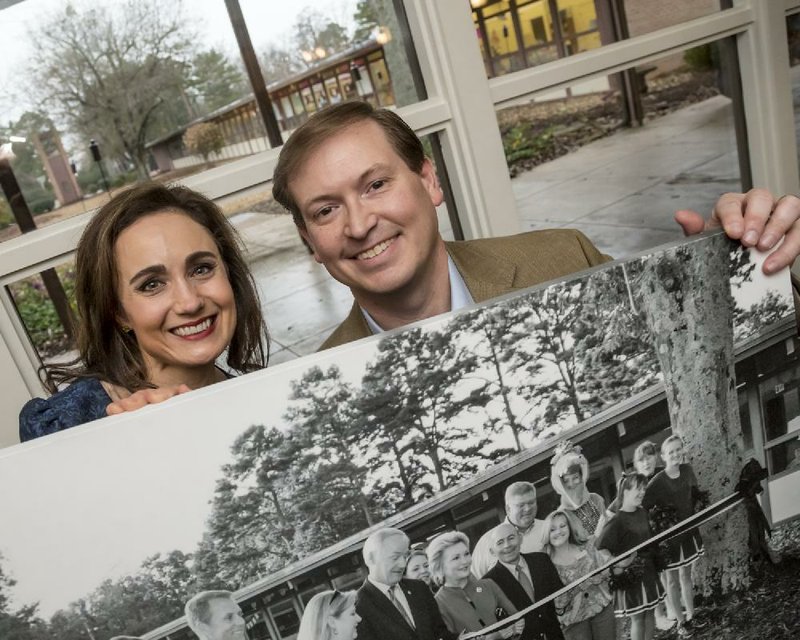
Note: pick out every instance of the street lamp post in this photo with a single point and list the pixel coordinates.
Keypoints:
(95, 149)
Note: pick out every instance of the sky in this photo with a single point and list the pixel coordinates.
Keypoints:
(267, 22)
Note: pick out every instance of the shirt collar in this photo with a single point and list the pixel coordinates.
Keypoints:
(459, 296)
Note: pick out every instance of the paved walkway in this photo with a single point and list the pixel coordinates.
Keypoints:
(622, 191)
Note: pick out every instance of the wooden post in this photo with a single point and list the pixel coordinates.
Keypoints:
(254, 73)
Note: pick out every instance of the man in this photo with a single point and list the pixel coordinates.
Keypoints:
(391, 607)
(215, 615)
(364, 198)
(520, 499)
(525, 578)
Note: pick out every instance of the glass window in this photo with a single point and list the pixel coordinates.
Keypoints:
(782, 410)
(577, 157)
(45, 304)
(286, 620)
(551, 29)
(744, 419)
(183, 84)
(783, 456)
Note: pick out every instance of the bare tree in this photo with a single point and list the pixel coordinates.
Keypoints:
(108, 72)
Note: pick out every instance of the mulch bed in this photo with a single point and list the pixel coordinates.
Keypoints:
(538, 132)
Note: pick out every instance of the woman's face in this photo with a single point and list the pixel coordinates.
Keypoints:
(456, 561)
(345, 624)
(175, 295)
(673, 454)
(646, 464)
(633, 496)
(559, 531)
(572, 481)
(417, 568)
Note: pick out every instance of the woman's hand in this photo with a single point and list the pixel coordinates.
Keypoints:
(144, 397)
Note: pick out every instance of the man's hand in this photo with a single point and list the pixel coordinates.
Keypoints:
(756, 219)
(143, 397)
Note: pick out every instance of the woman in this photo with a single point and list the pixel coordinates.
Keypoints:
(417, 567)
(638, 595)
(162, 290)
(645, 459)
(675, 488)
(465, 602)
(569, 472)
(330, 615)
(585, 612)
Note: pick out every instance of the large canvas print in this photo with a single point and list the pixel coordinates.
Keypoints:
(267, 485)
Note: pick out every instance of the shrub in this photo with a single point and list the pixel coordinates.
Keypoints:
(38, 313)
(699, 58)
(204, 139)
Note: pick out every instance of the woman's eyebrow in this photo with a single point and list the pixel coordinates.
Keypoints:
(152, 270)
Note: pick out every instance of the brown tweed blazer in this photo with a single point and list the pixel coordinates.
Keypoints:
(492, 267)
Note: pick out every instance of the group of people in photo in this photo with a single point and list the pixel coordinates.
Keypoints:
(438, 590)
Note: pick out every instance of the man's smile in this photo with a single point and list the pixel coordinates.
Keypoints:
(375, 250)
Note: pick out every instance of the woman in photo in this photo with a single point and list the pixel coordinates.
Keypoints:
(162, 291)
(675, 488)
(586, 612)
(330, 615)
(569, 472)
(417, 567)
(637, 587)
(465, 602)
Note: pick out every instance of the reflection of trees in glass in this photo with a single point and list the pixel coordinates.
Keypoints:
(112, 73)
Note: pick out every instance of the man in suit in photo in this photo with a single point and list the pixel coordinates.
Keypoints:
(392, 607)
(215, 615)
(525, 578)
(521, 510)
(364, 196)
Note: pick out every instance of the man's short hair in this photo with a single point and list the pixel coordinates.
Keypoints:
(520, 488)
(198, 609)
(375, 541)
(326, 123)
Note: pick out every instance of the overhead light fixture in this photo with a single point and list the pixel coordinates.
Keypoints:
(382, 35)
(477, 4)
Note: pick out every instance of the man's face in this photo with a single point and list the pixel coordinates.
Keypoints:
(389, 560)
(505, 544)
(369, 218)
(226, 622)
(521, 509)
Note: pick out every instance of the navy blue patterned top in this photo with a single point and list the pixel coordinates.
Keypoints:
(82, 401)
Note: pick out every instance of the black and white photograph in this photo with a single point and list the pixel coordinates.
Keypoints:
(263, 489)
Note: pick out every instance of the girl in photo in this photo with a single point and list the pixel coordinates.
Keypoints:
(637, 587)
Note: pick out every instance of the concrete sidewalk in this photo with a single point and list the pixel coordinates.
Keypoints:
(622, 191)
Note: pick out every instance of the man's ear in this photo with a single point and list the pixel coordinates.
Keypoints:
(431, 182)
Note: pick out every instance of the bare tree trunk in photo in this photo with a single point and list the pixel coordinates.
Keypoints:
(686, 298)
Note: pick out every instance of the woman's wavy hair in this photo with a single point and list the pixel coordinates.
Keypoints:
(321, 610)
(436, 550)
(577, 533)
(108, 352)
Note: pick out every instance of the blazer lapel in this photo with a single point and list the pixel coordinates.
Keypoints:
(485, 278)
(386, 609)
